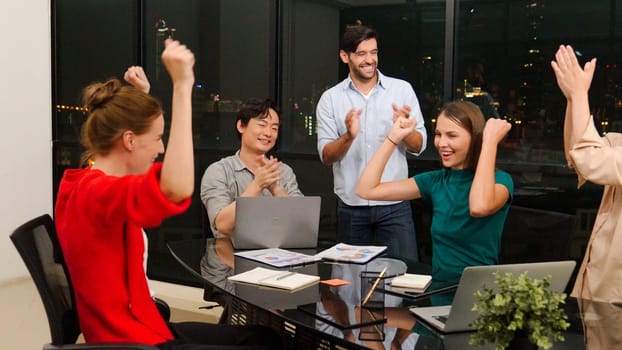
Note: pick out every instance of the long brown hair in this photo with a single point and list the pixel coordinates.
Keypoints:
(470, 117)
(113, 109)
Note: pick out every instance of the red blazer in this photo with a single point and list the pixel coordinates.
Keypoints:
(99, 219)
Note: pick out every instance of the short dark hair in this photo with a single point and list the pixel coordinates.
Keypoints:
(354, 35)
(255, 108)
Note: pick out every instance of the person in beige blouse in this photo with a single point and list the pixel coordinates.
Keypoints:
(599, 160)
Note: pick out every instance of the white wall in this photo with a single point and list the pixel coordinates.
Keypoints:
(25, 116)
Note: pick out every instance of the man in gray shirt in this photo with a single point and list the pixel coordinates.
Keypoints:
(247, 173)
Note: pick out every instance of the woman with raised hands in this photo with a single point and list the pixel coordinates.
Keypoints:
(597, 159)
(101, 211)
(470, 197)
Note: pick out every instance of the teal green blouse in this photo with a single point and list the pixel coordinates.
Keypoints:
(458, 239)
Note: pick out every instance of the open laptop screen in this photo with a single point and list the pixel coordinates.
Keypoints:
(276, 222)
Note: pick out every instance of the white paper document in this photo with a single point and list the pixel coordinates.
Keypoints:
(278, 257)
(348, 253)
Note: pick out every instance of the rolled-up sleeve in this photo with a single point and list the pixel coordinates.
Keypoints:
(597, 159)
(215, 193)
(327, 131)
(136, 197)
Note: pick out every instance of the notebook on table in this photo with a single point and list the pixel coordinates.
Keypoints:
(276, 222)
(458, 316)
(279, 279)
(275, 299)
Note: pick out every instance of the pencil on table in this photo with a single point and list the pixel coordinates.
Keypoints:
(373, 286)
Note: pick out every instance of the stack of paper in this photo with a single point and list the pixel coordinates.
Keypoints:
(341, 252)
(278, 257)
(287, 280)
(411, 281)
(358, 254)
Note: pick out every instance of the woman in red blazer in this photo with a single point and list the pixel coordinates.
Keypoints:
(102, 209)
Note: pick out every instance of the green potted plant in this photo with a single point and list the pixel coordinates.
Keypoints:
(520, 309)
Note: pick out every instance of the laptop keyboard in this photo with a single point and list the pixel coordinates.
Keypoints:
(441, 318)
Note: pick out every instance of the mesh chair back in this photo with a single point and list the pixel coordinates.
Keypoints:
(534, 235)
(37, 244)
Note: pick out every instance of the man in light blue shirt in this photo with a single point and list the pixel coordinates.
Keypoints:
(354, 118)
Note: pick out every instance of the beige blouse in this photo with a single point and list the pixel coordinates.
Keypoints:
(599, 160)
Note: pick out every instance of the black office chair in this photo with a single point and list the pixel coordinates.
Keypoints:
(534, 235)
(37, 243)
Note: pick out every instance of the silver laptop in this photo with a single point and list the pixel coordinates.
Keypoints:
(457, 316)
(276, 222)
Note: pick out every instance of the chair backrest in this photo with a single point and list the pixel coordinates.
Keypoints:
(534, 235)
(37, 243)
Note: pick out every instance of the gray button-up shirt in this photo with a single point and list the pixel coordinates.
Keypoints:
(376, 121)
(226, 179)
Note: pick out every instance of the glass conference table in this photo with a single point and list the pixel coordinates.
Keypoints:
(325, 317)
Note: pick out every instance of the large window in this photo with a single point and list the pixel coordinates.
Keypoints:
(233, 42)
(234, 46)
(495, 53)
(86, 48)
(503, 54)
(411, 47)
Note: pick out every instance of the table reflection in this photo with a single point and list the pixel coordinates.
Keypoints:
(334, 312)
(341, 306)
(217, 264)
(602, 325)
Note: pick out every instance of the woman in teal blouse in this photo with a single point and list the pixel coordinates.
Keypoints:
(469, 195)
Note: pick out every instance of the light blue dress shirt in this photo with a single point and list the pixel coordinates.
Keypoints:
(376, 121)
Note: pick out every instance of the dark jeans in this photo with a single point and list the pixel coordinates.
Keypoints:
(206, 336)
(390, 225)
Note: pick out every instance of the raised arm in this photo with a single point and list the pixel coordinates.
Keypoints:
(568, 141)
(135, 76)
(486, 196)
(574, 82)
(595, 158)
(177, 175)
(413, 140)
(370, 187)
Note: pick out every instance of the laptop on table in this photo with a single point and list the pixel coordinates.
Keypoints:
(276, 222)
(457, 316)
